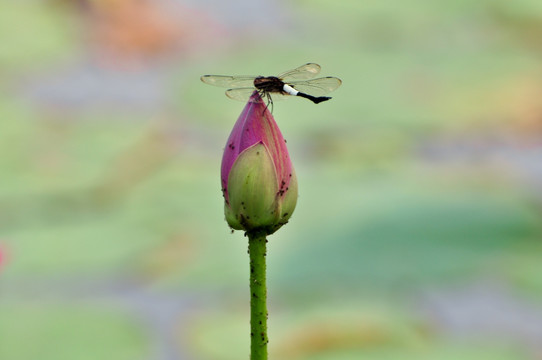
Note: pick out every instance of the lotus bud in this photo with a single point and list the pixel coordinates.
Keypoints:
(258, 179)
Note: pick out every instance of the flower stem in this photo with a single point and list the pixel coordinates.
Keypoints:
(258, 295)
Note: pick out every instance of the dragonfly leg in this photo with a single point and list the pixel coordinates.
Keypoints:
(269, 100)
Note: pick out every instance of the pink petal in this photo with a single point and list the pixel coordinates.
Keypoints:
(257, 125)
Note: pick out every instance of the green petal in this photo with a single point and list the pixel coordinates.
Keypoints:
(287, 204)
(289, 200)
(252, 189)
(231, 218)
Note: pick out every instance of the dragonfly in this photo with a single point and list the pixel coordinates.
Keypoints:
(297, 82)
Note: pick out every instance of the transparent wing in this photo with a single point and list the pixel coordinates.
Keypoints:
(304, 72)
(317, 87)
(228, 81)
(278, 96)
(241, 94)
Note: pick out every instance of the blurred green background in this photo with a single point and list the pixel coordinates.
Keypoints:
(418, 230)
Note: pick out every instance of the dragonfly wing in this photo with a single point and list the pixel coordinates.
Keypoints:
(317, 87)
(278, 96)
(304, 72)
(228, 81)
(241, 94)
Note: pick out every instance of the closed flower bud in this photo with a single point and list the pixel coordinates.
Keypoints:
(258, 179)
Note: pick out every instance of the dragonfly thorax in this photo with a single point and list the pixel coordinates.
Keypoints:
(269, 84)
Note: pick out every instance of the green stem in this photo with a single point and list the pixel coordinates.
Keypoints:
(258, 295)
